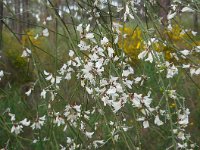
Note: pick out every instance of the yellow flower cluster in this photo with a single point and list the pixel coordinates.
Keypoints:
(175, 40)
(30, 38)
(132, 42)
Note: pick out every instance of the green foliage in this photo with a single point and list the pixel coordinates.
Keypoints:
(15, 65)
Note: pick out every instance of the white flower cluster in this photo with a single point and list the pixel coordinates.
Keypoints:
(17, 126)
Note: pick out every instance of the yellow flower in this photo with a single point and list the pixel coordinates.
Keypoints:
(30, 37)
(132, 42)
(173, 105)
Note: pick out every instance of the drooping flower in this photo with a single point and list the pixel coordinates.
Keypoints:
(171, 70)
(45, 32)
(59, 120)
(145, 53)
(1, 74)
(25, 122)
(89, 134)
(39, 122)
(26, 53)
(16, 128)
(104, 41)
(43, 94)
(28, 93)
(49, 18)
(187, 9)
(157, 121)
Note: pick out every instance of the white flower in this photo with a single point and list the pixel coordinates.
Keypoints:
(183, 146)
(183, 118)
(87, 29)
(187, 9)
(185, 52)
(26, 53)
(142, 55)
(192, 71)
(25, 122)
(12, 116)
(127, 13)
(49, 18)
(112, 90)
(1, 74)
(194, 33)
(49, 77)
(137, 80)
(77, 108)
(186, 66)
(175, 131)
(128, 83)
(28, 93)
(45, 32)
(43, 94)
(116, 40)
(62, 147)
(141, 119)
(104, 41)
(80, 28)
(136, 100)
(171, 70)
(146, 100)
(111, 123)
(169, 27)
(16, 129)
(172, 94)
(127, 72)
(197, 72)
(116, 105)
(146, 124)
(38, 123)
(71, 53)
(96, 142)
(125, 129)
(89, 36)
(89, 90)
(157, 121)
(36, 37)
(197, 49)
(69, 140)
(46, 73)
(110, 52)
(57, 79)
(99, 63)
(59, 120)
(171, 15)
(106, 100)
(181, 135)
(35, 141)
(89, 134)
(149, 58)
(68, 76)
(83, 46)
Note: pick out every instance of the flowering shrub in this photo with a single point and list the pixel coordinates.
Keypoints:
(111, 103)
(131, 42)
